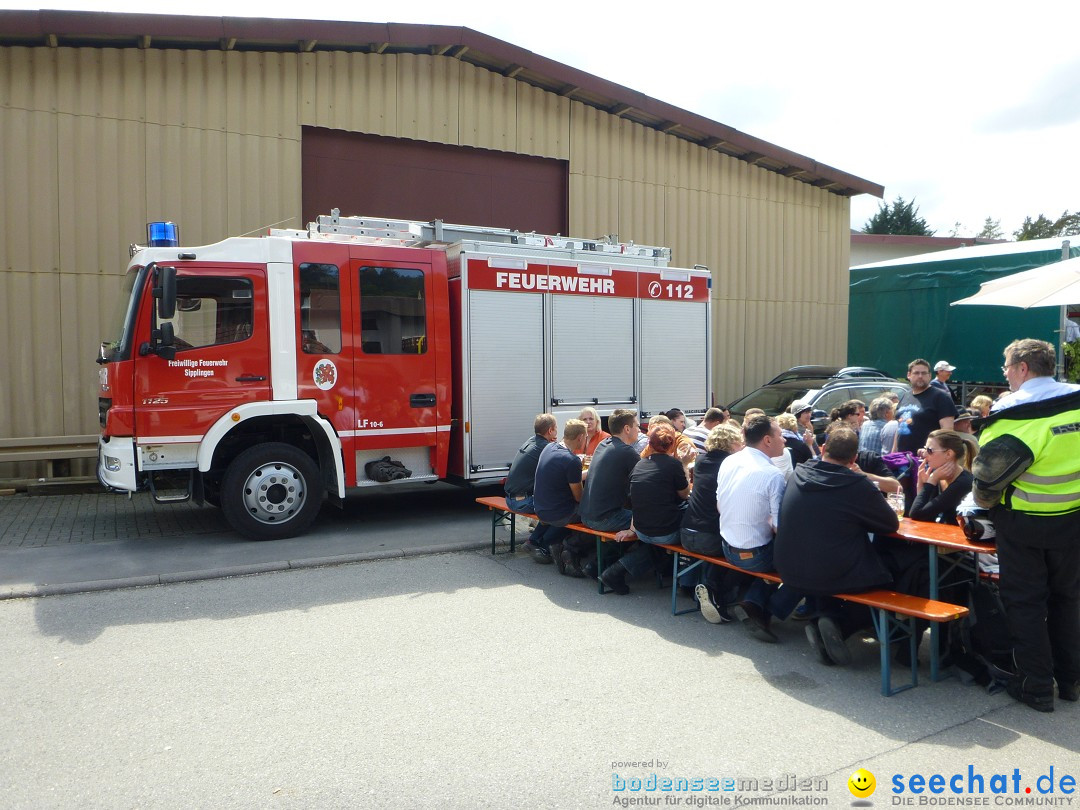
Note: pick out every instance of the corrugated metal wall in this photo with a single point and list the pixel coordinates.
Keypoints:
(777, 248)
(99, 141)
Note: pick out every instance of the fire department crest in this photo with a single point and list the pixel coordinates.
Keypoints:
(325, 375)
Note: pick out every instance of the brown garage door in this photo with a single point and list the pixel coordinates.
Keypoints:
(397, 178)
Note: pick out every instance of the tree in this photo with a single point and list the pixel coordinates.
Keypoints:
(1042, 228)
(991, 229)
(899, 218)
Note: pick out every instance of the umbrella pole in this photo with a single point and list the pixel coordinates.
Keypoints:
(1062, 313)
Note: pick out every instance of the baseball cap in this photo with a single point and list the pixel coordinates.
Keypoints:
(943, 365)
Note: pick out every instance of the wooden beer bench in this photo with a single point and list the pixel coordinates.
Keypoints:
(501, 515)
(894, 614)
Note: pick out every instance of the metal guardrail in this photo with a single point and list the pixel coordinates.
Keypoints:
(50, 449)
(968, 390)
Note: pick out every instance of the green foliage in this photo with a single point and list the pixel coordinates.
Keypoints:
(1042, 228)
(899, 218)
(991, 229)
(1072, 361)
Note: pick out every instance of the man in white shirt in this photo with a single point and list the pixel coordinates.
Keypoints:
(749, 489)
(1029, 385)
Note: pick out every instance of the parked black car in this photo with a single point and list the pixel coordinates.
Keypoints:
(822, 393)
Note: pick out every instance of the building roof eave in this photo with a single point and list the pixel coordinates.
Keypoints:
(53, 28)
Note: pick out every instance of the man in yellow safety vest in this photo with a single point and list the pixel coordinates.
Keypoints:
(1028, 475)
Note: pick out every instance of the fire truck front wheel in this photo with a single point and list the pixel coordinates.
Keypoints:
(271, 491)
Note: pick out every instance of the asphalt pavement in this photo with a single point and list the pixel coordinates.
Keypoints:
(468, 680)
(76, 543)
(437, 679)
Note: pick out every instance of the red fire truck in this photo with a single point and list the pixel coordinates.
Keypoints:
(264, 373)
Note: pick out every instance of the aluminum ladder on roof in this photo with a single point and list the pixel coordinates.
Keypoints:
(414, 232)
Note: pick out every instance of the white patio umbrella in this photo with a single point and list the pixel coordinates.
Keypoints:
(1052, 285)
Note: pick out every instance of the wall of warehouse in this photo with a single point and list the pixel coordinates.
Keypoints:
(99, 141)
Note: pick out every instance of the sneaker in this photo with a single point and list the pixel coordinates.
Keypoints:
(1040, 702)
(833, 641)
(803, 612)
(712, 612)
(756, 621)
(813, 635)
(539, 555)
(1070, 690)
(614, 577)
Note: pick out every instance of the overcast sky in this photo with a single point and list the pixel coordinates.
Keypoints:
(973, 109)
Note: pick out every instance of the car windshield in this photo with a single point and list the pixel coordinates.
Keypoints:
(117, 346)
(770, 400)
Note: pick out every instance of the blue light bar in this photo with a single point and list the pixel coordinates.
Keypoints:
(162, 234)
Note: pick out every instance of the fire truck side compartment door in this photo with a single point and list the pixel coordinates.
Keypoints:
(505, 376)
(592, 350)
(674, 339)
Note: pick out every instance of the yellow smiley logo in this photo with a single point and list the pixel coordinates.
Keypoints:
(861, 783)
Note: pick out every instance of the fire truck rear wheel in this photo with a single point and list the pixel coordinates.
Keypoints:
(271, 491)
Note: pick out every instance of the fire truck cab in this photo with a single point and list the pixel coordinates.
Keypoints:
(265, 373)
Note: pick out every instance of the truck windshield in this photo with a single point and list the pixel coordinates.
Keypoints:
(117, 344)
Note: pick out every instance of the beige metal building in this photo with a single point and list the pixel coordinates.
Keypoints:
(109, 121)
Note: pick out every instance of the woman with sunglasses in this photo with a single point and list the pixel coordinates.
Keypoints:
(944, 477)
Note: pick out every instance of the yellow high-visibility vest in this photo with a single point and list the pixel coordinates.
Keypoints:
(1051, 485)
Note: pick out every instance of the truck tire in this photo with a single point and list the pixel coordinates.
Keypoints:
(271, 491)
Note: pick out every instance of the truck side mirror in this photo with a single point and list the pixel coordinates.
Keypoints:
(165, 292)
(165, 348)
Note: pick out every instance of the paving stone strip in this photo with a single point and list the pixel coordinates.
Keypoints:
(54, 520)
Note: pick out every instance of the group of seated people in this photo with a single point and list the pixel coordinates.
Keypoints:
(763, 495)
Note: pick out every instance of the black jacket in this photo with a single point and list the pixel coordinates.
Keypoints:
(822, 545)
(799, 451)
(701, 514)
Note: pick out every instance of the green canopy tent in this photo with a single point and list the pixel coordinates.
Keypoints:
(900, 309)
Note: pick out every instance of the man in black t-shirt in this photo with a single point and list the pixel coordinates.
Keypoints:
(934, 409)
(658, 493)
(605, 494)
(607, 487)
